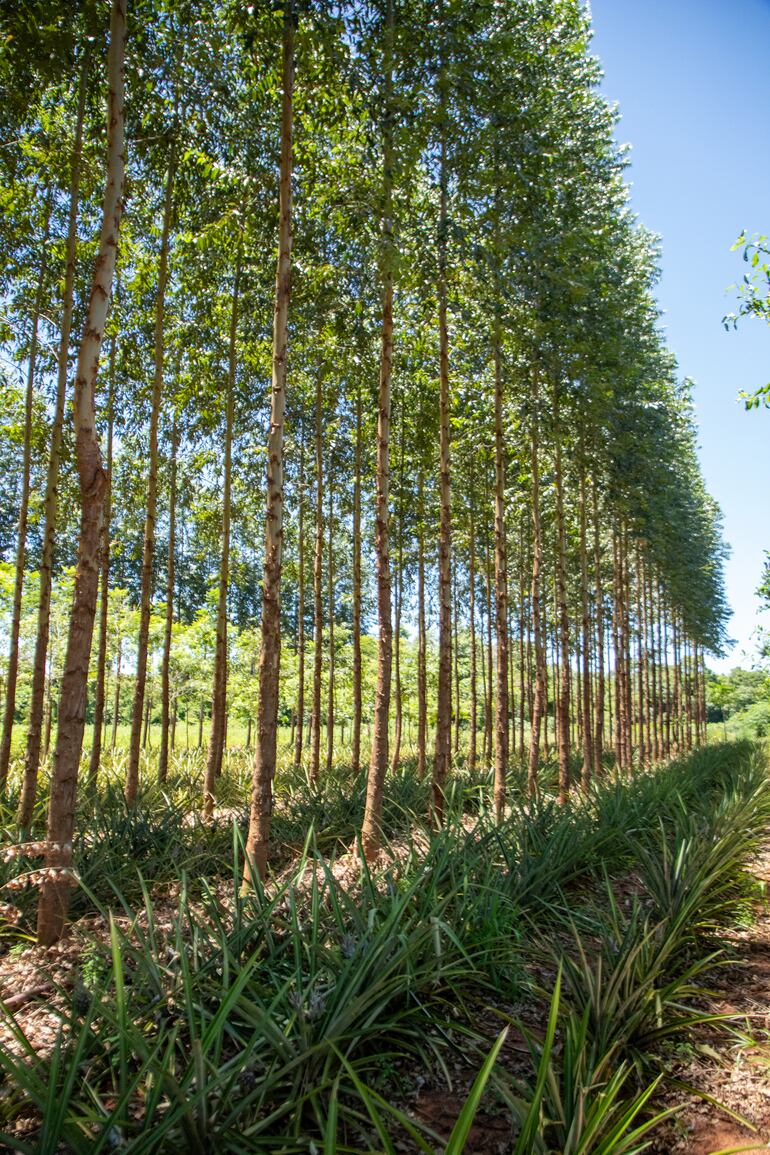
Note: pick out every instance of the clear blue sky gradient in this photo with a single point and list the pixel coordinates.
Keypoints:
(691, 81)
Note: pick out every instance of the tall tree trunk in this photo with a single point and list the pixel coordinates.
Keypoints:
(165, 669)
(422, 641)
(599, 699)
(501, 588)
(219, 689)
(21, 531)
(315, 717)
(442, 752)
(148, 551)
(55, 890)
(258, 838)
(539, 697)
(562, 615)
(357, 665)
(474, 720)
(371, 833)
(330, 598)
(399, 593)
(588, 740)
(100, 693)
(300, 728)
(38, 690)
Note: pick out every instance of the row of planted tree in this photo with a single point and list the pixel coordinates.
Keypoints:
(454, 400)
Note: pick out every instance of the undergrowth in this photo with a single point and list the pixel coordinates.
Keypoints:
(291, 1018)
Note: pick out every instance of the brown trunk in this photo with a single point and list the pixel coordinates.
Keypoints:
(422, 665)
(501, 591)
(598, 749)
(588, 737)
(315, 716)
(538, 699)
(258, 839)
(148, 551)
(21, 532)
(55, 890)
(300, 719)
(474, 721)
(371, 833)
(165, 669)
(357, 670)
(330, 588)
(562, 616)
(399, 593)
(100, 693)
(442, 751)
(219, 689)
(38, 690)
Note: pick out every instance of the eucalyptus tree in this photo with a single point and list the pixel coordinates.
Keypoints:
(54, 891)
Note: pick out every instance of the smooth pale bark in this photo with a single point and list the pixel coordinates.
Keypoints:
(501, 591)
(165, 669)
(12, 669)
(371, 830)
(258, 839)
(357, 665)
(100, 692)
(148, 549)
(51, 505)
(55, 890)
(219, 688)
(318, 620)
(300, 716)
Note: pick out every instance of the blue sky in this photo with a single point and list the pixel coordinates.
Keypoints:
(691, 81)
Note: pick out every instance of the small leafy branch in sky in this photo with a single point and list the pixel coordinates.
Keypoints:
(754, 293)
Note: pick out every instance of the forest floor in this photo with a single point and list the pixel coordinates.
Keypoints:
(514, 904)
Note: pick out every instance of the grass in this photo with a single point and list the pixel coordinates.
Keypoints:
(296, 1018)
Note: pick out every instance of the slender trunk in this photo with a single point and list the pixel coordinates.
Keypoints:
(55, 890)
(442, 750)
(539, 696)
(219, 690)
(474, 721)
(148, 551)
(38, 690)
(357, 666)
(315, 717)
(399, 594)
(501, 589)
(588, 738)
(21, 532)
(330, 595)
(300, 728)
(165, 669)
(100, 693)
(371, 833)
(422, 665)
(562, 616)
(258, 838)
(599, 699)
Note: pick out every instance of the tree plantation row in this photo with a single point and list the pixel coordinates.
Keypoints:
(425, 485)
